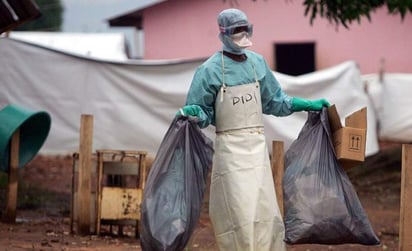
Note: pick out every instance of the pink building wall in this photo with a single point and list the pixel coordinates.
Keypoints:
(188, 29)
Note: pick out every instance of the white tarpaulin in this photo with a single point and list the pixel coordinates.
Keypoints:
(373, 87)
(133, 103)
(341, 85)
(391, 92)
(107, 46)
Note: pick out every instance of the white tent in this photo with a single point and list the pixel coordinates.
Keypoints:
(106, 46)
(134, 102)
(391, 93)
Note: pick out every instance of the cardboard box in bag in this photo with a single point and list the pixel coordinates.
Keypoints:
(349, 141)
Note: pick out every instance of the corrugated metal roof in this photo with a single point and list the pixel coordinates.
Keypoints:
(132, 18)
(16, 12)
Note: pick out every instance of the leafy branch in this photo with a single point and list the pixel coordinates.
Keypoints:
(347, 11)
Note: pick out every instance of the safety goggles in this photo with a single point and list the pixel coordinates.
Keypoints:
(240, 35)
(230, 30)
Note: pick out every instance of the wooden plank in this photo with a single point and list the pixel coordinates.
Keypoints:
(126, 153)
(99, 190)
(405, 223)
(73, 204)
(74, 213)
(85, 167)
(10, 213)
(117, 204)
(75, 187)
(143, 171)
(278, 168)
(121, 203)
(76, 163)
(120, 168)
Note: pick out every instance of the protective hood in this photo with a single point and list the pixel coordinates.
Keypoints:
(228, 20)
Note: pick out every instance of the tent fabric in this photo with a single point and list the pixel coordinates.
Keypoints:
(134, 101)
(396, 115)
(390, 95)
(373, 87)
(341, 85)
(106, 46)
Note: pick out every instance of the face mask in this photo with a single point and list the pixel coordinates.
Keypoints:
(241, 39)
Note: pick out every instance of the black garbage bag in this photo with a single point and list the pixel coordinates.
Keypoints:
(175, 187)
(320, 203)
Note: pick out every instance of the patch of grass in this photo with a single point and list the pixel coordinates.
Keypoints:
(35, 198)
(30, 197)
(3, 188)
(3, 180)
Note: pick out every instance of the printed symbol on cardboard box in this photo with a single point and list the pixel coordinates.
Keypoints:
(355, 142)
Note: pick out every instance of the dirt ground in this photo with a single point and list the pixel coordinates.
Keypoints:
(43, 213)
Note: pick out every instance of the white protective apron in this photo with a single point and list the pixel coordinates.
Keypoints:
(243, 207)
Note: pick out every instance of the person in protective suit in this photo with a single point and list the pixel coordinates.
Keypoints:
(231, 90)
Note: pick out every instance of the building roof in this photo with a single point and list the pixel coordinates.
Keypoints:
(132, 18)
(15, 13)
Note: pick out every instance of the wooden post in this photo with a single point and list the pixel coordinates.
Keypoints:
(278, 167)
(10, 214)
(85, 168)
(99, 188)
(405, 223)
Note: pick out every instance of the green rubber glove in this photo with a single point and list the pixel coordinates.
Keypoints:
(192, 110)
(300, 104)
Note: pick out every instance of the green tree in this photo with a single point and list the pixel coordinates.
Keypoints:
(344, 12)
(51, 18)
